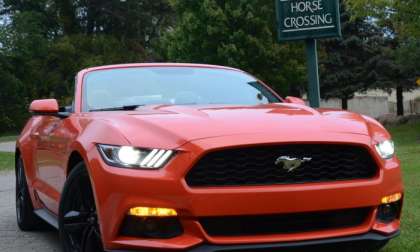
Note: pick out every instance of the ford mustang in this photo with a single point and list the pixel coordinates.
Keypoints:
(190, 157)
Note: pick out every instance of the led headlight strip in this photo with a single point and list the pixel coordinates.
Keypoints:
(130, 157)
(156, 158)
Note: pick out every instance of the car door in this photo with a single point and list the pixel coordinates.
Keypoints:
(51, 153)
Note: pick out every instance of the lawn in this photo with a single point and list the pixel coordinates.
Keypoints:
(407, 140)
(6, 161)
(7, 138)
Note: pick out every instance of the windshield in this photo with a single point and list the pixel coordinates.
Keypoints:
(127, 87)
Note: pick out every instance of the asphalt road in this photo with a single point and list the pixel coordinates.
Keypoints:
(11, 238)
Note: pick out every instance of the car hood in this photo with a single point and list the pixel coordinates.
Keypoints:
(172, 126)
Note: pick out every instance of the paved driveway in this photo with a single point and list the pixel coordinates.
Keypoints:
(11, 238)
(7, 147)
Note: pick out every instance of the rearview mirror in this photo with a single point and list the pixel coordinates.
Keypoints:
(295, 100)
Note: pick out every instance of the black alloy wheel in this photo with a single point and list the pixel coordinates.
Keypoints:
(78, 220)
(25, 216)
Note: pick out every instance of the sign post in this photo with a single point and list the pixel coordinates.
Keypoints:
(314, 93)
(309, 20)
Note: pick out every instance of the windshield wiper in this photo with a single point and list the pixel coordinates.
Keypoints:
(122, 108)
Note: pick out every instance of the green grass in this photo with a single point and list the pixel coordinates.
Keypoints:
(7, 138)
(407, 140)
(6, 161)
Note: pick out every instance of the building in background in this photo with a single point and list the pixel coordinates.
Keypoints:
(377, 103)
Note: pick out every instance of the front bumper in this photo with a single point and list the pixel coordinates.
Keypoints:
(356, 241)
(117, 190)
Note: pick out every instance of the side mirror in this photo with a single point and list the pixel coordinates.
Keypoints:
(295, 100)
(47, 107)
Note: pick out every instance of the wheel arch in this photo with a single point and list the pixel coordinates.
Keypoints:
(74, 159)
(17, 156)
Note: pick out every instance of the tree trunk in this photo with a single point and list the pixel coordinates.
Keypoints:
(344, 103)
(90, 16)
(68, 18)
(400, 101)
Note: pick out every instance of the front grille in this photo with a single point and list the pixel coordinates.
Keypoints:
(256, 165)
(284, 223)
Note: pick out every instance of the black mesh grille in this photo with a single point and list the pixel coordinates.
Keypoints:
(256, 165)
(285, 223)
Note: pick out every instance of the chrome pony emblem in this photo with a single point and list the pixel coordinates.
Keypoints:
(290, 164)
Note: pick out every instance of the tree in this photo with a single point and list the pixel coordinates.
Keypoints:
(235, 33)
(10, 99)
(397, 72)
(137, 23)
(404, 15)
(348, 64)
(401, 21)
(23, 46)
(43, 43)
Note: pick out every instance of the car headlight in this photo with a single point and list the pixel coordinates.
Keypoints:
(130, 157)
(385, 149)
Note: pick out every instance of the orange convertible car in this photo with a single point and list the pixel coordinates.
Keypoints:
(185, 157)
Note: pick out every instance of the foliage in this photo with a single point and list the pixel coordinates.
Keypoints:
(235, 33)
(400, 21)
(395, 73)
(349, 64)
(376, 8)
(44, 43)
(403, 14)
(10, 98)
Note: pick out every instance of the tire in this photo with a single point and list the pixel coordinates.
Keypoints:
(27, 220)
(77, 219)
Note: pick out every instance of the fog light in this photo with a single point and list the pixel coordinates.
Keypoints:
(151, 222)
(152, 212)
(388, 213)
(391, 198)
